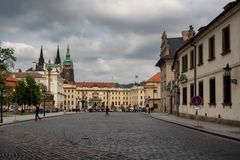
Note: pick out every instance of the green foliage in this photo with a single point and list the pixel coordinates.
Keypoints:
(43, 88)
(20, 93)
(7, 59)
(28, 92)
(33, 91)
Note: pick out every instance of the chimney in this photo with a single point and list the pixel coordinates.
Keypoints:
(34, 66)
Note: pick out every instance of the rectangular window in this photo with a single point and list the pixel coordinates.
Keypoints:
(212, 91)
(227, 89)
(191, 91)
(185, 63)
(200, 54)
(191, 59)
(184, 98)
(200, 89)
(226, 40)
(211, 48)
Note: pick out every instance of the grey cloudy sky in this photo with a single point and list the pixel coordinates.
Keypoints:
(108, 39)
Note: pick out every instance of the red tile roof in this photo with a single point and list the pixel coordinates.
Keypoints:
(95, 84)
(11, 81)
(25, 74)
(155, 78)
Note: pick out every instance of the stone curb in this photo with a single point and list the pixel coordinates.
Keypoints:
(224, 135)
(32, 119)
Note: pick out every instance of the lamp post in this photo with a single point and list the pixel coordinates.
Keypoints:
(44, 100)
(227, 85)
(44, 105)
(65, 103)
(153, 96)
(227, 71)
(149, 108)
(1, 88)
(77, 104)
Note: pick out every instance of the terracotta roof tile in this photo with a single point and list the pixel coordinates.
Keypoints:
(155, 78)
(25, 74)
(95, 84)
(11, 81)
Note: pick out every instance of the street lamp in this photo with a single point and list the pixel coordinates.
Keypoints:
(227, 71)
(77, 100)
(1, 88)
(44, 100)
(149, 107)
(44, 104)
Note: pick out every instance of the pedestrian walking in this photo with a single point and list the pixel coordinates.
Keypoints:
(107, 110)
(36, 114)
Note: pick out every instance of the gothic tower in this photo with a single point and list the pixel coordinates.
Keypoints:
(68, 72)
(58, 59)
(41, 59)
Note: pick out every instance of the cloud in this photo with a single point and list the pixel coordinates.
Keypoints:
(108, 39)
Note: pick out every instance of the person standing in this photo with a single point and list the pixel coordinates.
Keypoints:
(36, 114)
(107, 110)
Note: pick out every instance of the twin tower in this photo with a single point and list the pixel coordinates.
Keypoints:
(67, 72)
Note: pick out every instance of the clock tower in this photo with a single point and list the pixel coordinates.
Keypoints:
(68, 71)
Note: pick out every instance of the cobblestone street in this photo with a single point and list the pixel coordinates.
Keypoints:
(119, 136)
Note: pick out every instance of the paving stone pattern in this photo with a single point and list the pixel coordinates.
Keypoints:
(120, 136)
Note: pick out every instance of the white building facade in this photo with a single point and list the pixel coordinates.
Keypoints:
(216, 46)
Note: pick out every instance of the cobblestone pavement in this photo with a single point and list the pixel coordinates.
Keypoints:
(119, 136)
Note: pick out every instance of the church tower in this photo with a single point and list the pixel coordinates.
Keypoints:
(41, 59)
(58, 59)
(68, 71)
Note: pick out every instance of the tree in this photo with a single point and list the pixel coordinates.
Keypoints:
(28, 92)
(20, 92)
(33, 90)
(7, 60)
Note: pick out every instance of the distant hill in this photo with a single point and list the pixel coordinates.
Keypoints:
(130, 85)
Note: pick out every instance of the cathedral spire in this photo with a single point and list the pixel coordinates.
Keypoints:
(68, 52)
(41, 59)
(58, 59)
(68, 71)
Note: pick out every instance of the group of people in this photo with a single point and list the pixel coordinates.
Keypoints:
(37, 113)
